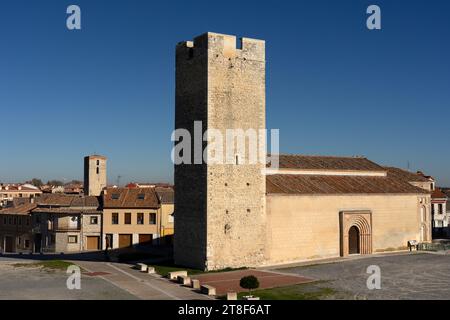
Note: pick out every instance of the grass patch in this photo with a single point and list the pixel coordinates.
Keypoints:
(164, 269)
(295, 292)
(47, 265)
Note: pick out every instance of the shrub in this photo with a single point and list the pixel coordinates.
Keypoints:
(250, 283)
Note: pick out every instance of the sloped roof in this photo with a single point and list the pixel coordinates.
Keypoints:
(68, 210)
(327, 163)
(405, 175)
(166, 195)
(23, 188)
(323, 184)
(130, 198)
(438, 194)
(64, 200)
(22, 209)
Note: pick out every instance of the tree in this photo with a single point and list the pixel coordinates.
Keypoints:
(55, 183)
(37, 182)
(250, 283)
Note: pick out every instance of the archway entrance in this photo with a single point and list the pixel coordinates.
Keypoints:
(353, 241)
(355, 232)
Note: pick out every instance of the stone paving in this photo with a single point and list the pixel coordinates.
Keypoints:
(99, 281)
(140, 284)
(32, 283)
(403, 276)
(229, 281)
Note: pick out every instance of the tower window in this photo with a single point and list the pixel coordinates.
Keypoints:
(98, 170)
(98, 162)
(237, 159)
(239, 43)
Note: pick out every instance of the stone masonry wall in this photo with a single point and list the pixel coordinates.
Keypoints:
(220, 208)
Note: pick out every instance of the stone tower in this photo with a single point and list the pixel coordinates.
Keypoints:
(220, 208)
(94, 175)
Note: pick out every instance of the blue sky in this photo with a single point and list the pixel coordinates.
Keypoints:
(333, 86)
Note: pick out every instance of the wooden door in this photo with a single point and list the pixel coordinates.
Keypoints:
(9, 244)
(353, 240)
(145, 239)
(125, 240)
(93, 242)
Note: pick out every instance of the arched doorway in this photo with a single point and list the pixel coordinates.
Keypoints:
(353, 241)
(355, 232)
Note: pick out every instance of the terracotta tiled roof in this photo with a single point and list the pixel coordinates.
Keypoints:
(130, 198)
(65, 200)
(405, 175)
(15, 189)
(446, 191)
(327, 163)
(438, 194)
(22, 209)
(166, 195)
(322, 184)
(67, 210)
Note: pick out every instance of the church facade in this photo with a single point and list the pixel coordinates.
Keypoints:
(249, 214)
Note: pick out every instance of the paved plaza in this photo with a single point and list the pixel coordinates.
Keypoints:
(403, 276)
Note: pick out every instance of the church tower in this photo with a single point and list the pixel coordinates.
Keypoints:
(220, 208)
(94, 175)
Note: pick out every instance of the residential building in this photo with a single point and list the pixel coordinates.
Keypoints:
(131, 217)
(10, 191)
(67, 223)
(166, 212)
(16, 227)
(440, 217)
(73, 188)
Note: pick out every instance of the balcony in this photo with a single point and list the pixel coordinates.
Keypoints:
(65, 228)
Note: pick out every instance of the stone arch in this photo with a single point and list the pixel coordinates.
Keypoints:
(362, 221)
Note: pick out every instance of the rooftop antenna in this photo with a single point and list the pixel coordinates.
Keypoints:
(118, 180)
(408, 166)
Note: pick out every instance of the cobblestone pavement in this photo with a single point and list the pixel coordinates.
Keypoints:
(403, 276)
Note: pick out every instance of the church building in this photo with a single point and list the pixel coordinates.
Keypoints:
(309, 207)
